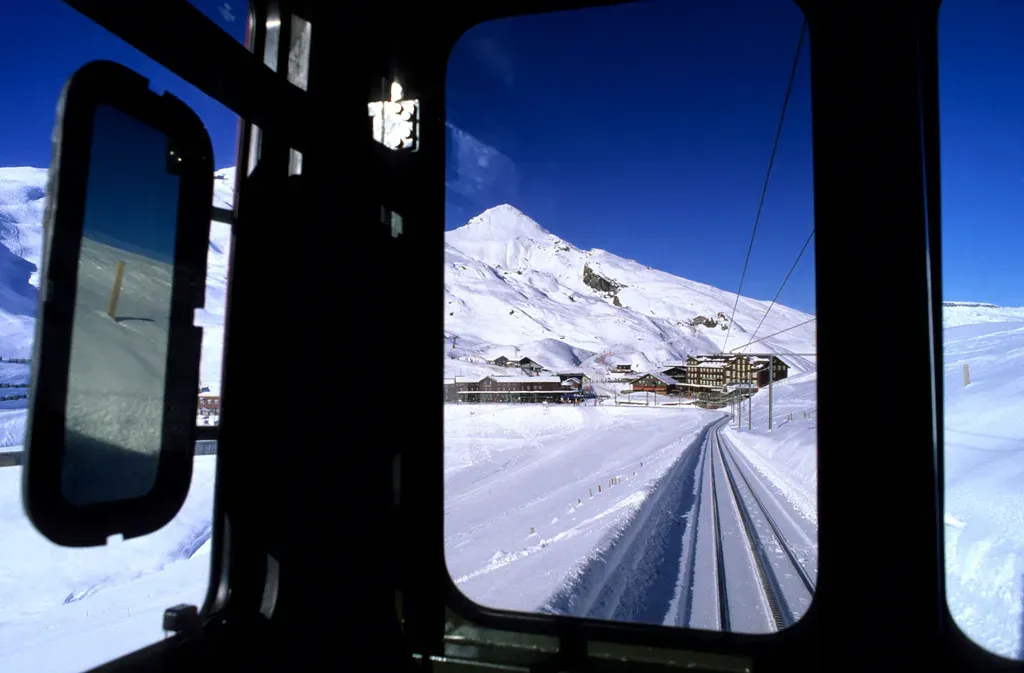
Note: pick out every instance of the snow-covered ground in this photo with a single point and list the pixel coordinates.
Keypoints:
(65, 610)
(984, 474)
(607, 512)
(533, 493)
(788, 455)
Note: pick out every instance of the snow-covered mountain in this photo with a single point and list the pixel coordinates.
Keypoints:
(513, 288)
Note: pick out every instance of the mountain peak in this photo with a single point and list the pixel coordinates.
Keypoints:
(501, 223)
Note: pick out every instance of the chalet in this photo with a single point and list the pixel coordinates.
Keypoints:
(761, 376)
(572, 384)
(584, 379)
(655, 383)
(528, 365)
(677, 372)
(623, 369)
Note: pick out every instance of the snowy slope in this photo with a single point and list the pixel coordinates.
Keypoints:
(957, 313)
(66, 609)
(513, 288)
(786, 456)
(984, 469)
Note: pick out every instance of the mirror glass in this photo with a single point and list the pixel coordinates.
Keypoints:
(119, 340)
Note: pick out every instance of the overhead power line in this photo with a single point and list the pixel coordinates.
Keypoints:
(784, 281)
(767, 177)
(791, 327)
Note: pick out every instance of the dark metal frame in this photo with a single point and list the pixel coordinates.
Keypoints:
(46, 503)
(876, 172)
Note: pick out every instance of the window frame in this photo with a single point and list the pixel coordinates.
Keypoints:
(860, 52)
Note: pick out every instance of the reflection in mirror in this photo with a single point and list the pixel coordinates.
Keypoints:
(119, 340)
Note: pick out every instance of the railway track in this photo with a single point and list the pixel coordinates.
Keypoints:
(760, 582)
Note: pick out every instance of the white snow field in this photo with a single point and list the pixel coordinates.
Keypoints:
(65, 610)
(984, 475)
(571, 475)
(661, 541)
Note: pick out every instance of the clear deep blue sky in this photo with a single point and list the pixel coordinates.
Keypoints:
(131, 202)
(644, 130)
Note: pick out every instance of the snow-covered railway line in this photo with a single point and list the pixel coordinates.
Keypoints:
(760, 583)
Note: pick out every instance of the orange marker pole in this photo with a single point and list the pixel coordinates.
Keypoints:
(115, 294)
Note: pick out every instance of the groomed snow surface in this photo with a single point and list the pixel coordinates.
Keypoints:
(595, 511)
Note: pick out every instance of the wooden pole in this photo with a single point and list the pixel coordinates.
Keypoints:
(115, 293)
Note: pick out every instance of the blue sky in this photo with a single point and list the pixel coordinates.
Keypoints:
(129, 186)
(644, 130)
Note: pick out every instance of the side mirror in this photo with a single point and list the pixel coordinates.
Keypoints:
(112, 413)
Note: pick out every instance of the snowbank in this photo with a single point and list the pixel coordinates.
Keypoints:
(788, 455)
(984, 474)
(65, 610)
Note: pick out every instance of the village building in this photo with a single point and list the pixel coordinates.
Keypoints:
(572, 384)
(526, 364)
(623, 369)
(761, 375)
(508, 389)
(209, 404)
(584, 379)
(719, 371)
(655, 383)
(675, 371)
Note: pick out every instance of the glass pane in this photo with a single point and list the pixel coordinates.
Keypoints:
(232, 16)
(630, 426)
(67, 610)
(981, 77)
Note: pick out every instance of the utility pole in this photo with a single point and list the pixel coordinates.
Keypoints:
(771, 380)
(750, 402)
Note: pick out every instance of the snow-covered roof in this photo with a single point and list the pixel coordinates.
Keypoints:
(571, 380)
(510, 392)
(465, 379)
(527, 379)
(661, 377)
(711, 365)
